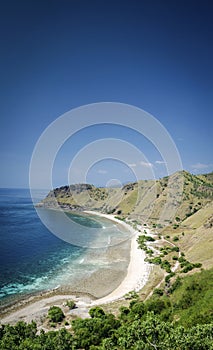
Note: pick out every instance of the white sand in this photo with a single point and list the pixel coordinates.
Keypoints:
(137, 276)
(138, 269)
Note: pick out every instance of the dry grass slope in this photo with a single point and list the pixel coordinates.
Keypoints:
(179, 205)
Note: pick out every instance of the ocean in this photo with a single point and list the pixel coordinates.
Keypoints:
(33, 259)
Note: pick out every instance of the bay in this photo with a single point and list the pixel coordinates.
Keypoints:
(32, 259)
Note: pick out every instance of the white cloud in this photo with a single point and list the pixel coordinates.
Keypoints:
(146, 164)
(102, 171)
(160, 162)
(132, 165)
(200, 166)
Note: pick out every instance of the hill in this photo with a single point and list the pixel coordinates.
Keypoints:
(181, 193)
(178, 206)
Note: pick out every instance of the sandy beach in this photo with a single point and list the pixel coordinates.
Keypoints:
(137, 272)
(123, 281)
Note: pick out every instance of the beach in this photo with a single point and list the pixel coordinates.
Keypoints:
(137, 272)
(105, 286)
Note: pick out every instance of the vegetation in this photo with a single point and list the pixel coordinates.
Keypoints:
(131, 295)
(181, 321)
(71, 304)
(55, 314)
(129, 200)
(142, 239)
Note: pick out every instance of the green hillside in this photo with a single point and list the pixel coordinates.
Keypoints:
(182, 320)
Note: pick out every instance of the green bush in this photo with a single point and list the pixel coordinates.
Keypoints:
(71, 304)
(158, 291)
(55, 314)
(188, 267)
(97, 312)
(197, 265)
(166, 266)
(175, 226)
(131, 295)
(149, 238)
(169, 276)
(157, 260)
(175, 249)
(177, 283)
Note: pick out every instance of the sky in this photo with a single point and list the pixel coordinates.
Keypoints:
(57, 55)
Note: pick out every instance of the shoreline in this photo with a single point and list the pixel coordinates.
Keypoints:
(137, 272)
(137, 275)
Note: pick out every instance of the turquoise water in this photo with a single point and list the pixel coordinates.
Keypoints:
(33, 259)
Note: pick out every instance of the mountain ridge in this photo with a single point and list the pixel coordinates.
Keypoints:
(176, 206)
(187, 192)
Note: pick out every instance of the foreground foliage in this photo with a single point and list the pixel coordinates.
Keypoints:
(181, 321)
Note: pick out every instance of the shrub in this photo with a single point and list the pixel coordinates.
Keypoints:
(157, 260)
(131, 295)
(183, 262)
(197, 265)
(168, 277)
(166, 266)
(149, 238)
(177, 283)
(188, 267)
(175, 249)
(158, 291)
(71, 304)
(97, 312)
(149, 252)
(55, 314)
(175, 226)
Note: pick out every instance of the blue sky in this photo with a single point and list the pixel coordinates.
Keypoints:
(58, 55)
